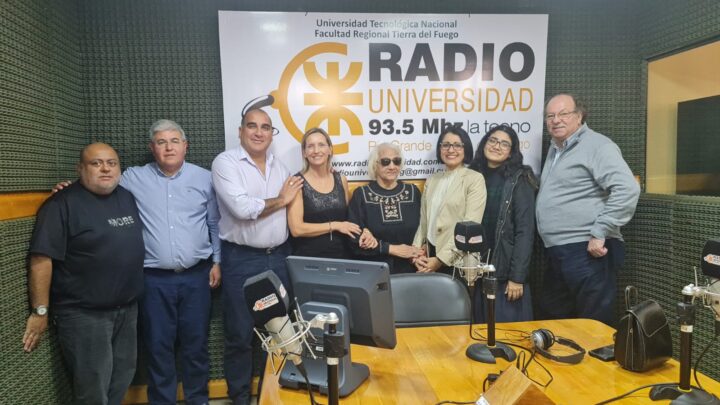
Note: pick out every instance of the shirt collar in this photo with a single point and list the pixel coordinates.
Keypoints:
(161, 174)
(269, 157)
(572, 140)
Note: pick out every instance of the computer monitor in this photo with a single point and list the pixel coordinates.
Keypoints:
(363, 287)
(359, 293)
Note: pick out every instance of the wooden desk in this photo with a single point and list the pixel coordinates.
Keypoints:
(428, 365)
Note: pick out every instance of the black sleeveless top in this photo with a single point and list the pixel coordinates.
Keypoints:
(322, 208)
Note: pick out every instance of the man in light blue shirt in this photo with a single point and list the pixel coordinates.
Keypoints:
(253, 188)
(182, 263)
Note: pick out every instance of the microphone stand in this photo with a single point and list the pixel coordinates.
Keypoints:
(487, 353)
(334, 351)
(683, 393)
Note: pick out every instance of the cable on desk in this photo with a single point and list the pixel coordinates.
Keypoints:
(522, 336)
(303, 372)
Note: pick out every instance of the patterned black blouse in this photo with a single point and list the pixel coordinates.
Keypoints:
(391, 215)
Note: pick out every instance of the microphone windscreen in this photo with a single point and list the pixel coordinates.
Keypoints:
(266, 297)
(711, 259)
(468, 236)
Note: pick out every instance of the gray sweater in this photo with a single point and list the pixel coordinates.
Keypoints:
(588, 192)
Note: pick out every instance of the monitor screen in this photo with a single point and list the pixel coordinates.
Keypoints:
(362, 287)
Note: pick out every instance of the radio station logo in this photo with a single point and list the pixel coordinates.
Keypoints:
(331, 96)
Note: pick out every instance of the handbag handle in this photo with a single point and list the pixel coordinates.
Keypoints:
(630, 293)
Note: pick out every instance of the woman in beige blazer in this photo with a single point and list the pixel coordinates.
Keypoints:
(454, 195)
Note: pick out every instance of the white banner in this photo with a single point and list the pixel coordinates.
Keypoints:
(373, 78)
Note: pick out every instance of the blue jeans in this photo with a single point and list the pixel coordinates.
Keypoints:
(176, 308)
(100, 349)
(577, 285)
(238, 264)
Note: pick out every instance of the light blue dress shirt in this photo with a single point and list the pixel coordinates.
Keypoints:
(180, 215)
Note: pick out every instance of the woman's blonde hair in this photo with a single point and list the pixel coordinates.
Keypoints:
(303, 144)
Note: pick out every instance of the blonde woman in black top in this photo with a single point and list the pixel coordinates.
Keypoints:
(317, 217)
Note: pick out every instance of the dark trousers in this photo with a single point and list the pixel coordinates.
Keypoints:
(505, 311)
(176, 309)
(577, 285)
(238, 264)
(100, 349)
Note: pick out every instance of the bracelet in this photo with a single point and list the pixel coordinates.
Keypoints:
(331, 230)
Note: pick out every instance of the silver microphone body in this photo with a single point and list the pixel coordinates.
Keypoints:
(283, 335)
(712, 297)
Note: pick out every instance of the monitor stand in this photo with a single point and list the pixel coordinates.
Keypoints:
(350, 375)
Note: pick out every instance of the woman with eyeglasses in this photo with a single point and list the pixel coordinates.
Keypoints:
(318, 217)
(454, 195)
(389, 208)
(509, 222)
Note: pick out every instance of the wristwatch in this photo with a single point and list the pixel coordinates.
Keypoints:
(40, 310)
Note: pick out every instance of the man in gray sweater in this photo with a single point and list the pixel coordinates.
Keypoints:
(587, 192)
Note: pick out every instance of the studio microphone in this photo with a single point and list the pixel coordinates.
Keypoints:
(710, 266)
(269, 304)
(469, 243)
(710, 292)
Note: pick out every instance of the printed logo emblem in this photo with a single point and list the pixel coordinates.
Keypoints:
(332, 94)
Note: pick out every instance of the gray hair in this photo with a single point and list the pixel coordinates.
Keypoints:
(166, 125)
(375, 156)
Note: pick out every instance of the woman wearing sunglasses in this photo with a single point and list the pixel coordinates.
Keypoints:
(389, 208)
(509, 222)
(454, 195)
(317, 217)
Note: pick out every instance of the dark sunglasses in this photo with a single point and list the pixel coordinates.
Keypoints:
(386, 161)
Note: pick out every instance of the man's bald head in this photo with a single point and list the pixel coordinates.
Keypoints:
(99, 168)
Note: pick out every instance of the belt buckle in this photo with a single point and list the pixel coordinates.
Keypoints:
(180, 270)
(270, 250)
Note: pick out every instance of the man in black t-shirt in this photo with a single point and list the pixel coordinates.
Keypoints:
(86, 261)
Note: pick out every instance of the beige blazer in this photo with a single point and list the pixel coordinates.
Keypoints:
(464, 201)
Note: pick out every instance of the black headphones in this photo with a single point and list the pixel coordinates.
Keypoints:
(543, 339)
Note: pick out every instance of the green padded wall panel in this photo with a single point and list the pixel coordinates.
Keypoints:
(42, 116)
(667, 25)
(38, 377)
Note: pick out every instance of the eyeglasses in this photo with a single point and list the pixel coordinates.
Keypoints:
(448, 146)
(397, 161)
(173, 141)
(562, 116)
(263, 128)
(504, 145)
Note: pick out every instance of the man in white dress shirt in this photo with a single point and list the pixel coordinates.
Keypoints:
(253, 188)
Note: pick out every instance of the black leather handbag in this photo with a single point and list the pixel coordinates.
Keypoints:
(643, 339)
